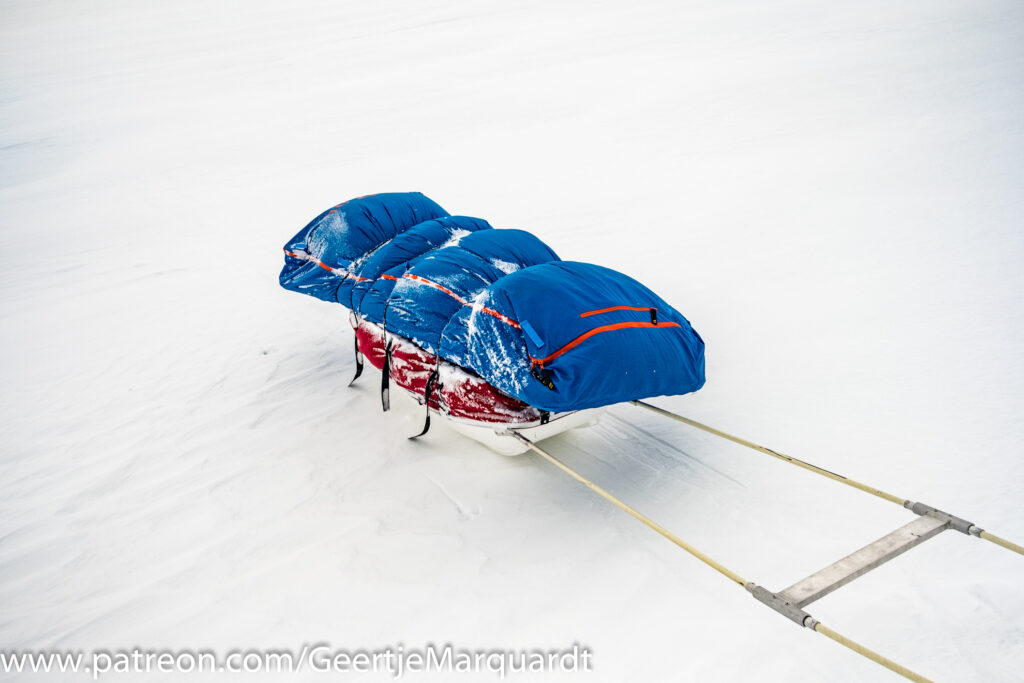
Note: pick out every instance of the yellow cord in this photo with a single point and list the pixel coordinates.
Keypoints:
(870, 654)
(736, 578)
(638, 515)
(1009, 545)
(775, 454)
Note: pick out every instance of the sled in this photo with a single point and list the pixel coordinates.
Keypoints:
(489, 328)
(491, 331)
(466, 403)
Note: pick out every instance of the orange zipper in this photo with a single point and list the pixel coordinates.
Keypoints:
(598, 330)
(484, 309)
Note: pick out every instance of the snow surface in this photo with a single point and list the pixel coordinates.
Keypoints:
(832, 194)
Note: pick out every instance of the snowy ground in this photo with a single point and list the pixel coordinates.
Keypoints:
(833, 195)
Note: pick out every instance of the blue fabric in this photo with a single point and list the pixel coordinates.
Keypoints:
(329, 245)
(557, 335)
(374, 304)
(401, 250)
(622, 354)
(437, 285)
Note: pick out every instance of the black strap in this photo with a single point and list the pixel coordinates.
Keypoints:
(542, 376)
(359, 362)
(427, 393)
(385, 379)
(654, 316)
(545, 416)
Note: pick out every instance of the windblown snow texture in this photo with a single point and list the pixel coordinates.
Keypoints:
(601, 336)
(441, 283)
(557, 335)
(394, 256)
(321, 256)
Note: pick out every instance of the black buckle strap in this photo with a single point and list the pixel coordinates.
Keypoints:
(427, 393)
(385, 379)
(542, 376)
(359, 362)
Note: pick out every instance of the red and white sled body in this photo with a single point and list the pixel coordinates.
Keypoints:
(468, 404)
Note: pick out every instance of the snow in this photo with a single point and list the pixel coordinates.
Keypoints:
(505, 266)
(456, 237)
(332, 229)
(832, 195)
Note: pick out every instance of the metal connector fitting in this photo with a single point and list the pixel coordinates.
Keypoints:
(782, 606)
(956, 523)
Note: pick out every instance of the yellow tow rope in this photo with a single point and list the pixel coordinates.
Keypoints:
(733, 576)
(870, 654)
(902, 502)
(1009, 545)
(714, 564)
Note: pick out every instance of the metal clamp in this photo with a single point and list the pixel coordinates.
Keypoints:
(782, 606)
(957, 523)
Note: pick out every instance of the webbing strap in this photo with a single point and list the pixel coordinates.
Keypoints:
(359, 362)
(385, 379)
(427, 393)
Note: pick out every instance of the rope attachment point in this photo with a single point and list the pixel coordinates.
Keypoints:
(782, 606)
(955, 523)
